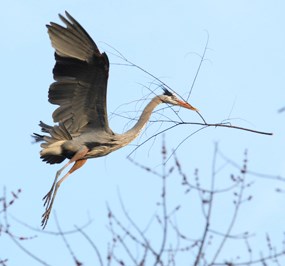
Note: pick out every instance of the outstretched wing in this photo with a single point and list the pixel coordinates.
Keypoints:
(81, 75)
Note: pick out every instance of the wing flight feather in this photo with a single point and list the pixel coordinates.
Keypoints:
(81, 75)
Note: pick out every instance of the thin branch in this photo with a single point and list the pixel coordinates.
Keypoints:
(261, 175)
(199, 67)
(88, 223)
(237, 203)
(141, 233)
(118, 237)
(186, 182)
(27, 251)
(131, 64)
(161, 83)
(251, 262)
(164, 205)
(237, 237)
(232, 126)
(91, 243)
(181, 142)
(6, 227)
(77, 263)
(210, 206)
(205, 125)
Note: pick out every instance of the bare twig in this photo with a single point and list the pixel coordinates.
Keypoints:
(5, 227)
(55, 233)
(261, 261)
(92, 244)
(204, 125)
(117, 237)
(199, 67)
(77, 262)
(209, 212)
(254, 173)
(146, 243)
(29, 253)
(164, 205)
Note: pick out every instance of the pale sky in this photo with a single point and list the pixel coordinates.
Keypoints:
(242, 79)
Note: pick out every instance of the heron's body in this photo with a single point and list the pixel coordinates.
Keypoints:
(62, 144)
(80, 87)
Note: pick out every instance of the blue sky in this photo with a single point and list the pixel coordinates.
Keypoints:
(242, 80)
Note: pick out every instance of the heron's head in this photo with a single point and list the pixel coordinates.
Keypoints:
(169, 97)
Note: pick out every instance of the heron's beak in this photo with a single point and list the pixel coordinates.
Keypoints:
(187, 106)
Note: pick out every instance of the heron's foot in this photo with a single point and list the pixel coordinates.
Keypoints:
(47, 198)
(48, 202)
(45, 217)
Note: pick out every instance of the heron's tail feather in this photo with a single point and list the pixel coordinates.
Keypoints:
(38, 137)
(52, 145)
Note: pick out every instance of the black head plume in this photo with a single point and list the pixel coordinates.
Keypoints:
(167, 92)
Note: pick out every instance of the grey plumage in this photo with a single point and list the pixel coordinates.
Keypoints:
(81, 76)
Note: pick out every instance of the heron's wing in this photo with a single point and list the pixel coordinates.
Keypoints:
(81, 74)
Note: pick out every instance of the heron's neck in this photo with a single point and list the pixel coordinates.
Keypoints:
(134, 132)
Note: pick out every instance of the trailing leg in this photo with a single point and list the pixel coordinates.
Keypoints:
(50, 196)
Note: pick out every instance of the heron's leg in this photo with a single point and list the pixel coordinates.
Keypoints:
(81, 153)
(46, 214)
(49, 198)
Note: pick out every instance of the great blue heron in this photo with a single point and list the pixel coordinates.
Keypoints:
(81, 74)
